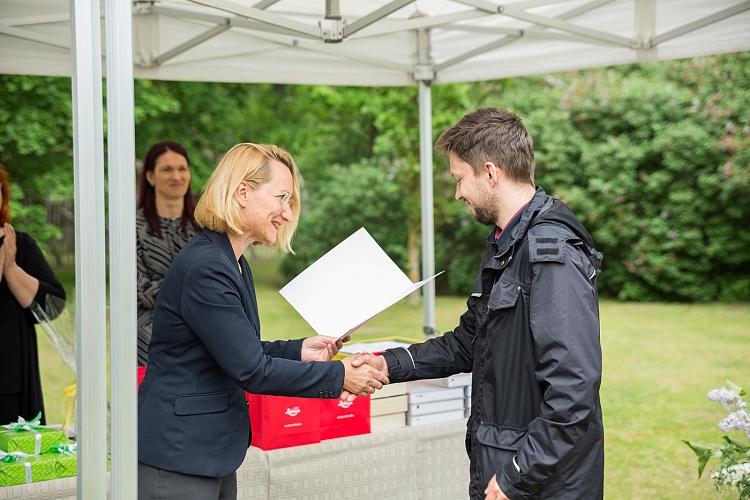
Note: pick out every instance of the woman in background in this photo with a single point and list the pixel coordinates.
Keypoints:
(164, 224)
(25, 279)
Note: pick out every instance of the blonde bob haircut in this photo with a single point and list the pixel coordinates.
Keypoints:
(217, 208)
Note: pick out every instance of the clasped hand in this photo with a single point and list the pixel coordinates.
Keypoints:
(364, 374)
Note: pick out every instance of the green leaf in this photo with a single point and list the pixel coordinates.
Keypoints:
(734, 387)
(741, 446)
(704, 454)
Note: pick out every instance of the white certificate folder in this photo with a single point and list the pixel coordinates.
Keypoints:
(347, 286)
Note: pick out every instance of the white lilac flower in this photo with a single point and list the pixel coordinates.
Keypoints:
(732, 475)
(727, 397)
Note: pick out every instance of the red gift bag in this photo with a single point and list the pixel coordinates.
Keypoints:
(341, 418)
(281, 421)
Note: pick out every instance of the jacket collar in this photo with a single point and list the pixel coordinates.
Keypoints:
(221, 240)
(539, 203)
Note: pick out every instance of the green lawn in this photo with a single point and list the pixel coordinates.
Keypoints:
(659, 363)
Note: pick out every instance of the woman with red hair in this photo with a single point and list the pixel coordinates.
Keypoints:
(26, 279)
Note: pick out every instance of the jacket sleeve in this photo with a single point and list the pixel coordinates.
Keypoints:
(442, 356)
(287, 349)
(50, 295)
(211, 306)
(564, 321)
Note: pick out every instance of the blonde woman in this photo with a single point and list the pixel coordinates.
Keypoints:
(205, 352)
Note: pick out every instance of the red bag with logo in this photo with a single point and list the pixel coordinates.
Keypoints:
(341, 418)
(281, 421)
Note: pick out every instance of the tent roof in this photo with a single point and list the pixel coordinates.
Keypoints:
(466, 40)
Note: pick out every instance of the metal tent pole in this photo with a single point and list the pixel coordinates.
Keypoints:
(424, 74)
(122, 267)
(89, 235)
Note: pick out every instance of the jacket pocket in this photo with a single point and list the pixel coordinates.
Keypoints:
(504, 294)
(495, 451)
(503, 438)
(196, 404)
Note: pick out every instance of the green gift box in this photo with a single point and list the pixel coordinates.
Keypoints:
(36, 468)
(30, 437)
(33, 442)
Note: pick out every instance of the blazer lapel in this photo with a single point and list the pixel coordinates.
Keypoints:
(248, 290)
(247, 277)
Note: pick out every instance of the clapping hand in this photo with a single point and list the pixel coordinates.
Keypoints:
(9, 246)
(2, 252)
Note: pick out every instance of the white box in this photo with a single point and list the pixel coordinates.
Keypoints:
(385, 422)
(390, 390)
(388, 406)
(457, 380)
(372, 347)
(467, 391)
(435, 418)
(425, 393)
(436, 407)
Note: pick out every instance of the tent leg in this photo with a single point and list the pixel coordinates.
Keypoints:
(91, 338)
(122, 267)
(428, 229)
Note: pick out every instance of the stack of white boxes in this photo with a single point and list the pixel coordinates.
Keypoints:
(388, 408)
(437, 400)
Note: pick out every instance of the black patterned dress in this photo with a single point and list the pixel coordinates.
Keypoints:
(154, 255)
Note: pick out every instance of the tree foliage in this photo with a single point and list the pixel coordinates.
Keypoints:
(654, 158)
(359, 195)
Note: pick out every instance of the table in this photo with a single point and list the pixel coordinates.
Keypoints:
(402, 464)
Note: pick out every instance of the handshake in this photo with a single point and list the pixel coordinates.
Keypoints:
(363, 374)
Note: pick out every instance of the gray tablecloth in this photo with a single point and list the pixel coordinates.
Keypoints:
(409, 464)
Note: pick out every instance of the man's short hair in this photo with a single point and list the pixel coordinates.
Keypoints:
(492, 135)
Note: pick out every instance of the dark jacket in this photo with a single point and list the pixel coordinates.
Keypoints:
(531, 338)
(205, 353)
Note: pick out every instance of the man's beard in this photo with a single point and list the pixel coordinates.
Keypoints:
(485, 211)
(485, 215)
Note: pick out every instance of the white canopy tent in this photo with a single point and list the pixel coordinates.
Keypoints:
(375, 42)
(367, 42)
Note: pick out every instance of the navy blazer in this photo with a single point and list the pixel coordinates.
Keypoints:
(205, 353)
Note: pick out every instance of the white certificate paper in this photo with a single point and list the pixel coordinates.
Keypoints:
(350, 284)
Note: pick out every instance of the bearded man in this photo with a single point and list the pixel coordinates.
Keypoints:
(530, 334)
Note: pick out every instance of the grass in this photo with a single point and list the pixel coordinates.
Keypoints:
(659, 362)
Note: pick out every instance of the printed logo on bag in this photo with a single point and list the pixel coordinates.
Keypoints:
(293, 412)
(345, 404)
